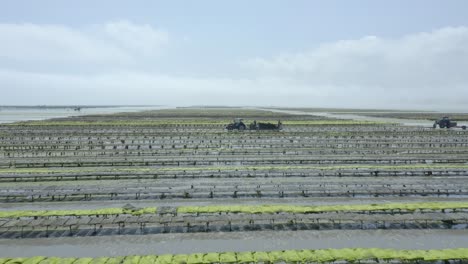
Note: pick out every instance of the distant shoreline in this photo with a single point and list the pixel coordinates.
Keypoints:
(70, 106)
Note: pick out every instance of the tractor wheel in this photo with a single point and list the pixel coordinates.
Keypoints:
(434, 126)
(241, 128)
(441, 126)
(463, 127)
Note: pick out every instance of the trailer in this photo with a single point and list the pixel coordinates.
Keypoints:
(265, 126)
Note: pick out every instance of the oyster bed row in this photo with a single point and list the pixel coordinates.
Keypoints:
(135, 221)
(177, 156)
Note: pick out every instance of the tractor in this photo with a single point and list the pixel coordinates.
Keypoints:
(237, 124)
(445, 122)
(240, 125)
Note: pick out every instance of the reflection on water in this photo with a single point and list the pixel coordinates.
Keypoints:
(238, 241)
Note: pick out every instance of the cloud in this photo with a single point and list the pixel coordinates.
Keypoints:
(121, 42)
(435, 63)
(139, 39)
(116, 62)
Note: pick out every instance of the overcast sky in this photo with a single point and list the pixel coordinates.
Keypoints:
(386, 54)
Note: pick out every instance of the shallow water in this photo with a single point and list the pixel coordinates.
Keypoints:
(10, 114)
(407, 122)
(238, 241)
(362, 117)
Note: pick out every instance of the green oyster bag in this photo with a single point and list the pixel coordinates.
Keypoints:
(291, 256)
(164, 259)
(116, 260)
(211, 258)
(66, 261)
(151, 259)
(131, 260)
(34, 260)
(16, 261)
(261, 256)
(101, 260)
(180, 259)
(228, 257)
(83, 261)
(245, 257)
(196, 258)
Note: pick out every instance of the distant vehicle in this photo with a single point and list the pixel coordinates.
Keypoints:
(265, 126)
(240, 125)
(77, 109)
(445, 122)
(237, 124)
